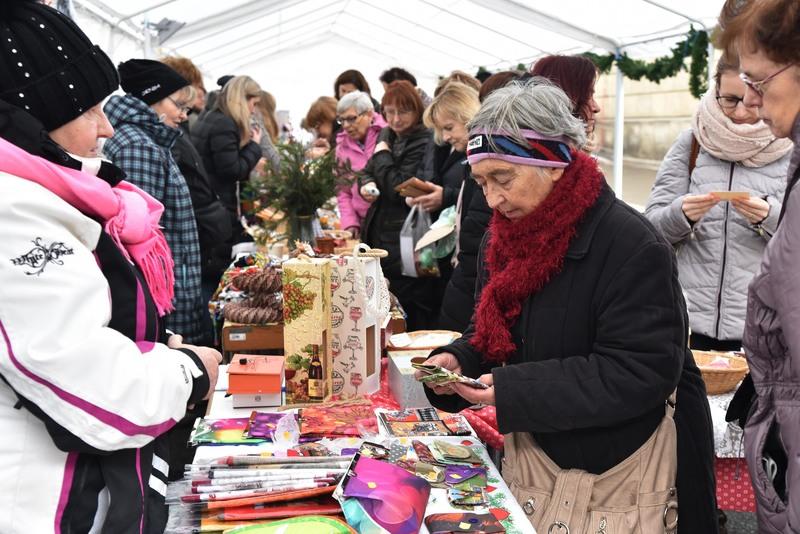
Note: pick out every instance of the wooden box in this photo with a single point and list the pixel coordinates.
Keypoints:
(307, 325)
(249, 338)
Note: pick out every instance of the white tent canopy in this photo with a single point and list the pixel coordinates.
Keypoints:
(296, 48)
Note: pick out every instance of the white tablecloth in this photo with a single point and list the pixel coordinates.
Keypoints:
(222, 407)
(727, 436)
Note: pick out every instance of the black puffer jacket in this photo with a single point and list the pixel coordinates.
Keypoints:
(599, 350)
(388, 169)
(458, 302)
(217, 139)
(445, 167)
(213, 220)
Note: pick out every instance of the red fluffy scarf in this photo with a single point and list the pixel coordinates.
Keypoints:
(523, 255)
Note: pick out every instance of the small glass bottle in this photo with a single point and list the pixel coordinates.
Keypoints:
(316, 380)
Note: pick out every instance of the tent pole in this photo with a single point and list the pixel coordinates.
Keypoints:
(711, 81)
(619, 130)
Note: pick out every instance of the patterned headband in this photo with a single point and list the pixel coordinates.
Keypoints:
(539, 151)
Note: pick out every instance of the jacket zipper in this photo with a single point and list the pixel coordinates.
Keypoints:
(724, 255)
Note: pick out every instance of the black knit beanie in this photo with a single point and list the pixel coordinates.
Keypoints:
(149, 80)
(48, 66)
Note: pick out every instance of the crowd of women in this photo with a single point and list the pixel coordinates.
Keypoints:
(576, 309)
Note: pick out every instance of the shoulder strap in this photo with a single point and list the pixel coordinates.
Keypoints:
(693, 154)
(790, 186)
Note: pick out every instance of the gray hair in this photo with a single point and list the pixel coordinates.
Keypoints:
(357, 99)
(535, 104)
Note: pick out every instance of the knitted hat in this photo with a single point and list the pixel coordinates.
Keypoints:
(48, 66)
(149, 80)
(222, 80)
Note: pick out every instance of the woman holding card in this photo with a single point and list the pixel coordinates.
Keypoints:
(716, 198)
(396, 158)
(579, 332)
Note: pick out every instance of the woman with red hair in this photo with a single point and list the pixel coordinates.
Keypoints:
(397, 157)
(576, 76)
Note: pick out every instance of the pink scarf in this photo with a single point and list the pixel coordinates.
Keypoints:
(130, 215)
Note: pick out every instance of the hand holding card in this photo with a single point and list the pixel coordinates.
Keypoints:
(434, 374)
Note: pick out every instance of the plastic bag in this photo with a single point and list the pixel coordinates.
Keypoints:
(421, 263)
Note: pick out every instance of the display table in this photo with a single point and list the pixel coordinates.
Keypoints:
(501, 502)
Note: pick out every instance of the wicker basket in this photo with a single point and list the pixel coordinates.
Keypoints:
(720, 380)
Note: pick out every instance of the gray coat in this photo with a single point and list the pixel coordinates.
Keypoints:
(772, 343)
(719, 254)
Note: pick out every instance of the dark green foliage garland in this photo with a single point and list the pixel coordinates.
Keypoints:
(695, 46)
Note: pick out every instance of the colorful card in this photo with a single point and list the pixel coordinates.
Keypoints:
(262, 424)
(423, 422)
(222, 432)
(467, 498)
(340, 420)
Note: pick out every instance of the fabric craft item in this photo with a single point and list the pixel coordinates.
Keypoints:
(439, 376)
(465, 477)
(752, 145)
(467, 499)
(514, 273)
(463, 522)
(222, 432)
(423, 452)
(129, 215)
(51, 69)
(450, 453)
(340, 420)
(539, 150)
(149, 80)
(262, 425)
(393, 498)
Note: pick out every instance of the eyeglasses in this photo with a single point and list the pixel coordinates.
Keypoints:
(344, 121)
(729, 102)
(185, 108)
(758, 86)
(397, 112)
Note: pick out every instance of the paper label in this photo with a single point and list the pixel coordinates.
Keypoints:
(237, 336)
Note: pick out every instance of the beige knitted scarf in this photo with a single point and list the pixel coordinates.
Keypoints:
(752, 145)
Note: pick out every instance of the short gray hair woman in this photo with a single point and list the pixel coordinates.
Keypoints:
(535, 103)
(579, 334)
(358, 100)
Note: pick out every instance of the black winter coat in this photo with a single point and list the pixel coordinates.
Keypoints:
(444, 167)
(600, 349)
(458, 302)
(217, 138)
(213, 219)
(388, 169)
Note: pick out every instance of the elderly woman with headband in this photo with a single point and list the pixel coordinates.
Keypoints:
(579, 335)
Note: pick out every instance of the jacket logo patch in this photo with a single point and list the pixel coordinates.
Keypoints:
(41, 254)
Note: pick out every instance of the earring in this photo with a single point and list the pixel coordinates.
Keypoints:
(162, 117)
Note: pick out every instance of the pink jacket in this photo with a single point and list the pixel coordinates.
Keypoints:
(352, 207)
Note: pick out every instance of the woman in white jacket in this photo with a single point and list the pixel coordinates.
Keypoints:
(719, 242)
(90, 380)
